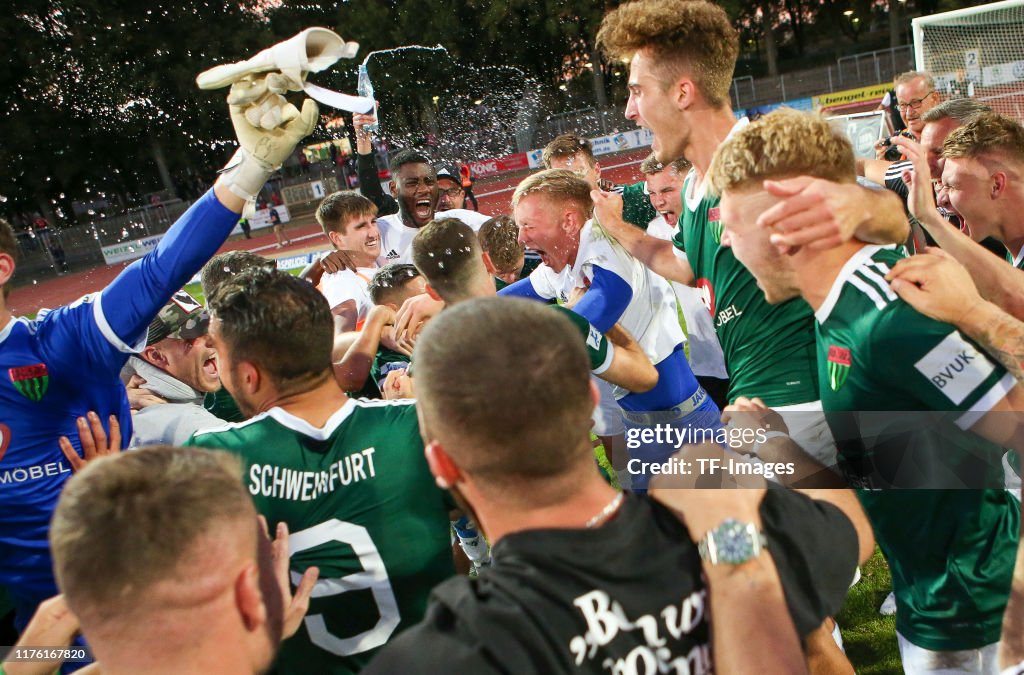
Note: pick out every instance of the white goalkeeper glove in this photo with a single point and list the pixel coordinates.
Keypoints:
(312, 50)
(266, 142)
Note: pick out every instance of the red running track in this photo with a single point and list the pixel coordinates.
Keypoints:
(493, 196)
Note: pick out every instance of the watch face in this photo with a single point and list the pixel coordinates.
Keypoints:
(734, 543)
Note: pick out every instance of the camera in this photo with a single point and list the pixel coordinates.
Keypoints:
(894, 154)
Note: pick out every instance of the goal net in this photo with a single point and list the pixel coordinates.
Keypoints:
(977, 52)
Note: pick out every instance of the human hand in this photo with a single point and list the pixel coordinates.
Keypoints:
(295, 606)
(936, 285)
(262, 150)
(397, 384)
(414, 313)
(93, 440)
(921, 197)
(814, 212)
(139, 397)
(53, 625)
(608, 214)
(338, 261)
(403, 345)
(752, 414)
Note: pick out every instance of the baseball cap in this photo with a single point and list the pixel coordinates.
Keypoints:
(182, 318)
(450, 172)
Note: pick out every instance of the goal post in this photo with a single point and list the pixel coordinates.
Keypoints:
(976, 51)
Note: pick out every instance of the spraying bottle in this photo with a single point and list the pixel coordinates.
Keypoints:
(365, 88)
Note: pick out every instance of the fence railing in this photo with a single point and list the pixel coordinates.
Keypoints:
(849, 72)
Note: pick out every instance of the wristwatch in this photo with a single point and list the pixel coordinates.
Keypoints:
(731, 543)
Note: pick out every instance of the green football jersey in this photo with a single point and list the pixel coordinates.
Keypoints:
(951, 551)
(221, 404)
(1018, 263)
(362, 505)
(599, 349)
(769, 349)
(384, 362)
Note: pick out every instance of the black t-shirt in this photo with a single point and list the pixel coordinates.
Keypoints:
(580, 601)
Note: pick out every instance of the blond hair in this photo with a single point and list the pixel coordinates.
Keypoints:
(783, 143)
(557, 185)
(690, 36)
(984, 134)
(136, 517)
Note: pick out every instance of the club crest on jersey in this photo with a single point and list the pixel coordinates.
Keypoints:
(839, 361)
(715, 224)
(30, 381)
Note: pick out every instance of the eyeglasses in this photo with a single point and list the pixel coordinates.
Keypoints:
(452, 192)
(914, 103)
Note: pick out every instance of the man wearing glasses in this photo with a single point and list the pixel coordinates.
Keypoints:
(915, 95)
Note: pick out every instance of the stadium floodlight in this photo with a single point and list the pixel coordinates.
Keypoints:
(978, 52)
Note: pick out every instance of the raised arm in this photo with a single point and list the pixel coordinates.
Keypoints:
(137, 294)
(659, 255)
(997, 281)
(366, 167)
(822, 214)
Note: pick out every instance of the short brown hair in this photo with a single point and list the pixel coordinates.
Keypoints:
(567, 145)
(499, 239)
(529, 418)
(338, 209)
(444, 251)
(279, 322)
(8, 245)
(556, 184)
(986, 134)
(138, 516)
(783, 143)
(389, 282)
(225, 265)
(651, 165)
(691, 36)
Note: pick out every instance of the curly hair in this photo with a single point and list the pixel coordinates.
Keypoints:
(782, 144)
(690, 36)
(986, 133)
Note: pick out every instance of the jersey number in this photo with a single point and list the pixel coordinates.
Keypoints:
(373, 576)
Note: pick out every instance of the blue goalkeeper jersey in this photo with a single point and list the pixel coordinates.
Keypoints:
(65, 363)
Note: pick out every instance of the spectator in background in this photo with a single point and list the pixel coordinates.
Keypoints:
(466, 175)
(575, 153)
(915, 95)
(452, 194)
(275, 221)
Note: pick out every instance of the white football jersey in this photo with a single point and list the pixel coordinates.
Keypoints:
(349, 285)
(651, 317)
(396, 236)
